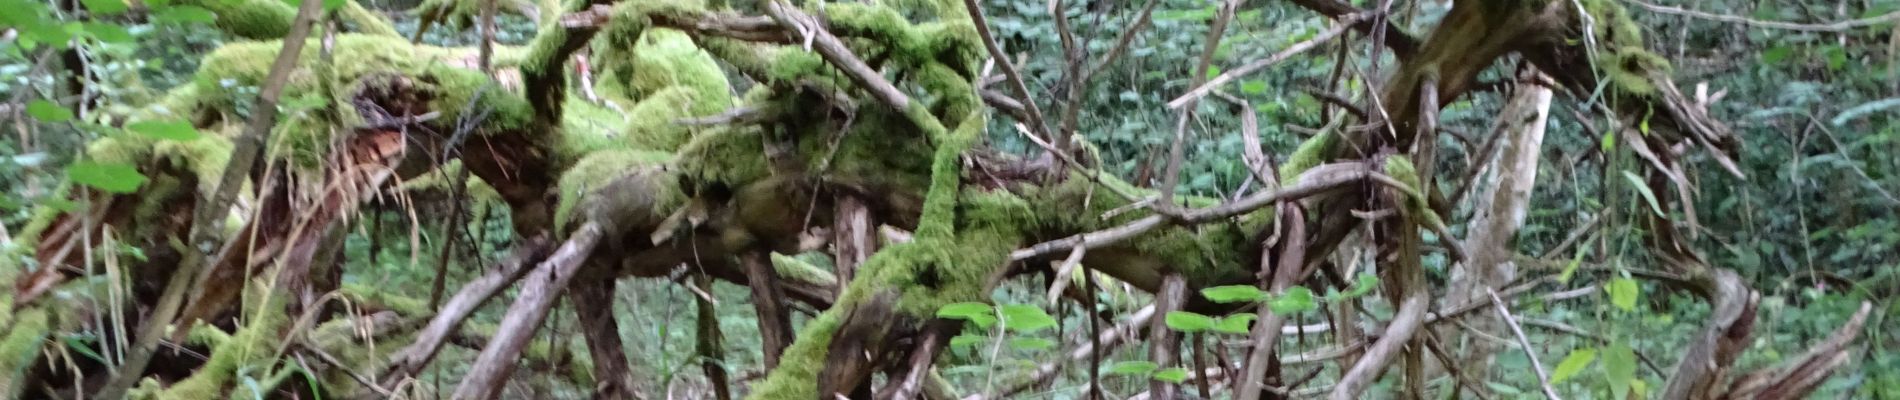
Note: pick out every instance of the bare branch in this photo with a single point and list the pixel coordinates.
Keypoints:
(538, 294)
(1536, 366)
(1276, 58)
(1840, 26)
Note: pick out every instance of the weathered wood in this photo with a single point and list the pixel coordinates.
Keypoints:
(412, 358)
(775, 320)
(538, 294)
(1163, 342)
(593, 299)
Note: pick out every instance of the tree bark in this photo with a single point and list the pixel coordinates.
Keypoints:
(775, 321)
(1512, 175)
(593, 300)
(1164, 343)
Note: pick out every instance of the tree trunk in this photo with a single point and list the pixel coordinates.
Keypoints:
(1511, 177)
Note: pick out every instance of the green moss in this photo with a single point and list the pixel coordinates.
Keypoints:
(587, 127)
(1401, 168)
(792, 268)
(724, 156)
(1311, 153)
(225, 82)
(366, 21)
(24, 337)
(797, 374)
(600, 168)
(388, 299)
(252, 348)
(250, 19)
(477, 190)
(651, 122)
(1621, 54)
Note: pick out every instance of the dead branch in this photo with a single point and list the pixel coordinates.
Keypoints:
(1798, 378)
(1380, 354)
(1838, 26)
(775, 320)
(1537, 366)
(1297, 48)
(410, 360)
(1317, 180)
(1031, 110)
(538, 294)
(1164, 342)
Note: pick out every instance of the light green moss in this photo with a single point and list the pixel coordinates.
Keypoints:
(724, 156)
(249, 19)
(365, 21)
(225, 81)
(1621, 55)
(24, 337)
(797, 374)
(252, 348)
(651, 122)
(1414, 202)
(1311, 153)
(602, 167)
(792, 268)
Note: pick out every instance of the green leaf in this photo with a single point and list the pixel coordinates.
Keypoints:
(169, 130)
(1643, 190)
(1365, 284)
(1619, 366)
(81, 344)
(1189, 322)
(1296, 299)
(1233, 294)
(1255, 86)
(104, 7)
(185, 14)
(1134, 368)
(1031, 344)
(332, 5)
(46, 111)
(1623, 293)
(1026, 318)
(109, 33)
(1212, 71)
(1609, 141)
(1172, 375)
(1777, 54)
(967, 340)
(964, 310)
(1572, 364)
(1236, 323)
(113, 178)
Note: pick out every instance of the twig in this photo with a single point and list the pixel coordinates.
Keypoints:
(1840, 26)
(1290, 51)
(1537, 366)
(411, 359)
(1108, 339)
(1029, 106)
(1318, 180)
(834, 51)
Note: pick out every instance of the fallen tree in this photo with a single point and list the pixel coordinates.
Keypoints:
(855, 113)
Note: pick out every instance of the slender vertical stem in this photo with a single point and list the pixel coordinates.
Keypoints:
(204, 235)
